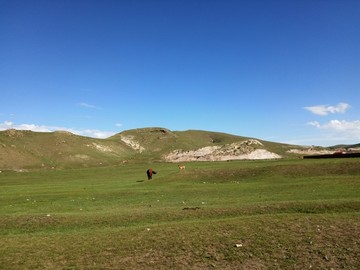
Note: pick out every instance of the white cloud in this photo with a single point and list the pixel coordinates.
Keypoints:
(94, 133)
(9, 125)
(338, 125)
(89, 106)
(6, 125)
(314, 123)
(118, 125)
(324, 110)
(348, 131)
(33, 127)
(343, 126)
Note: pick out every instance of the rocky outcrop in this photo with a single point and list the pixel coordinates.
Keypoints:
(130, 141)
(248, 149)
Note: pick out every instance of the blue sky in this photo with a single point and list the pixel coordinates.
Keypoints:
(283, 71)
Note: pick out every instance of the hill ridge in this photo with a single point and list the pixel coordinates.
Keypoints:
(23, 149)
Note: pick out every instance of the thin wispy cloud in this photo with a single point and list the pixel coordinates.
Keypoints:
(324, 110)
(338, 125)
(94, 133)
(88, 106)
(330, 133)
(334, 130)
(346, 130)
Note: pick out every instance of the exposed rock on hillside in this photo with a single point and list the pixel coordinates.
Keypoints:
(14, 133)
(248, 149)
(102, 148)
(146, 139)
(130, 141)
(310, 151)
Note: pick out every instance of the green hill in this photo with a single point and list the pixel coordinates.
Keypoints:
(156, 143)
(26, 149)
(161, 140)
(21, 150)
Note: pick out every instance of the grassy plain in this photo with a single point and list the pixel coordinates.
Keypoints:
(290, 214)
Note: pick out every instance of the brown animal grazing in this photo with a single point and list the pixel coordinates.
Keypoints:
(181, 167)
(149, 173)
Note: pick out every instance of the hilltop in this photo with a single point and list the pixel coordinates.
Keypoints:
(197, 145)
(21, 149)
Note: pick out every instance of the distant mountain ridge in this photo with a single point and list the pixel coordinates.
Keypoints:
(21, 150)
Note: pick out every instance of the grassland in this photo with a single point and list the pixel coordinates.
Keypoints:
(290, 214)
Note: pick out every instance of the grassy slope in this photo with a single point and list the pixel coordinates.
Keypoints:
(29, 150)
(26, 149)
(160, 141)
(292, 214)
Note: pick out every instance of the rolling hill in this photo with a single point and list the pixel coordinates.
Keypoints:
(20, 150)
(26, 149)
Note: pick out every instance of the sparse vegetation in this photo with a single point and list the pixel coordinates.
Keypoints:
(289, 214)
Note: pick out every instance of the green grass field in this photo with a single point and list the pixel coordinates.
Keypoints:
(290, 214)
